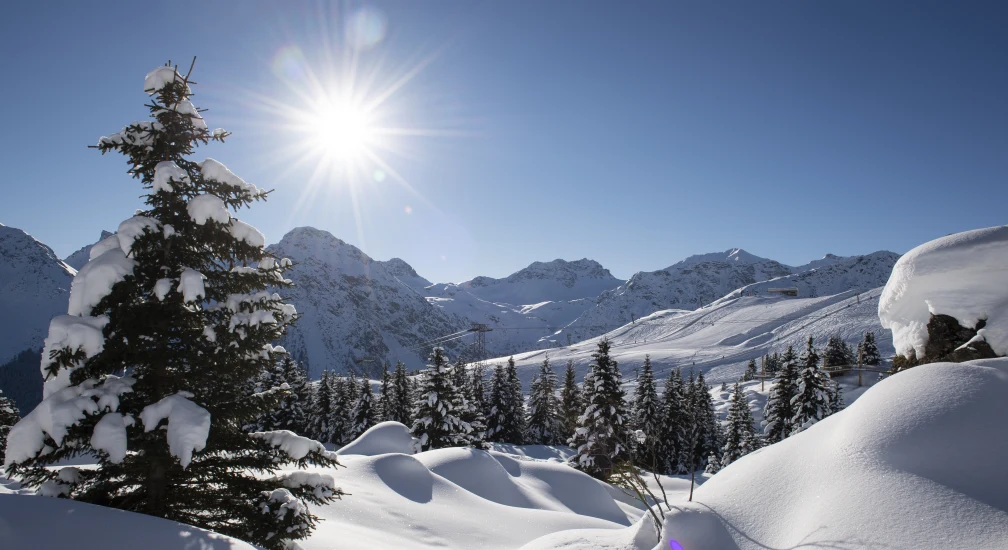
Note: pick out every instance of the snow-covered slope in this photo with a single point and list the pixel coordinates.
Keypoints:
(964, 275)
(355, 312)
(81, 256)
(916, 462)
(701, 279)
(721, 338)
(34, 287)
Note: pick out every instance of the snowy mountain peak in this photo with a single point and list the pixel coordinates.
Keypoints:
(551, 281)
(735, 256)
(81, 256)
(34, 287)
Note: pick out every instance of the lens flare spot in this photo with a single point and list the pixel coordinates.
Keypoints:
(365, 28)
(289, 63)
(675, 545)
(408, 209)
(379, 175)
(443, 257)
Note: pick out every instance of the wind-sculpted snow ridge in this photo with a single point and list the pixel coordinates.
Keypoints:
(382, 438)
(34, 287)
(964, 275)
(461, 498)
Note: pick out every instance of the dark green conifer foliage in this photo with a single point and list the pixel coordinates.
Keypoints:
(870, 352)
(812, 401)
(384, 404)
(364, 412)
(543, 426)
(779, 410)
(672, 448)
(292, 410)
(8, 417)
(438, 423)
(402, 396)
(517, 399)
(320, 415)
(190, 321)
(601, 436)
(647, 415)
(740, 434)
(751, 371)
(571, 406)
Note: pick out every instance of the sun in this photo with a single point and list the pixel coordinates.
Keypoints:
(341, 130)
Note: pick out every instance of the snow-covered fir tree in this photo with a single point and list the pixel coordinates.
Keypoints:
(740, 434)
(402, 397)
(8, 417)
(320, 414)
(384, 403)
(708, 429)
(836, 353)
(544, 426)
(517, 399)
(672, 449)
(750, 372)
(365, 412)
(811, 402)
(438, 423)
(647, 415)
(469, 411)
(601, 435)
(869, 351)
(177, 299)
(476, 390)
(779, 411)
(342, 405)
(291, 413)
(503, 424)
(570, 403)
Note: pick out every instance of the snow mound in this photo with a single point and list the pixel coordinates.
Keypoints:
(383, 438)
(28, 522)
(915, 462)
(961, 275)
(459, 498)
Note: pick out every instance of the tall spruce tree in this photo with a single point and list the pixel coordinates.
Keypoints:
(601, 435)
(778, 412)
(320, 414)
(438, 423)
(750, 372)
(708, 429)
(836, 353)
(672, 448)
(740, 434)
(812, 400)
(544, 426)
(365, 411)
(291, 412)
(647, 417)
(869, 351)
(383, 406)
(570, 403)
(8, 417)
(469, 411)
(517, 399)
(402, 396)
(177, 299)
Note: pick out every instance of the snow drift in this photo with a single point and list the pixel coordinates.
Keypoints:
(383, 438)
(916, 462)
(964, 275)
(29, 521)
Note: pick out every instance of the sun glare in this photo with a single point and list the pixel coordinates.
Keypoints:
(341, 130)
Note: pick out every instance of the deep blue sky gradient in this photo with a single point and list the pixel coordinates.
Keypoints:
(632, 133)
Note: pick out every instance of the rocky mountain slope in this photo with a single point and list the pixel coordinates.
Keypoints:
(356, 312)
(81, 256)
(34, 287)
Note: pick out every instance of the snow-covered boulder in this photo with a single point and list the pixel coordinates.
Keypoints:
(964, 276)
(29, 521)
(916, 462)
(382, 438)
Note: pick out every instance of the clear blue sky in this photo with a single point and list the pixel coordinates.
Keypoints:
(631, 133)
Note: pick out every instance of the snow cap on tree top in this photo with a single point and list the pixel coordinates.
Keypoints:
(160, 78)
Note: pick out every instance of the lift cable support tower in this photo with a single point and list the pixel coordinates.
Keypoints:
(479, 344)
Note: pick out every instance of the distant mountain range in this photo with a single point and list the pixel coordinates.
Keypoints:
(358, 313)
